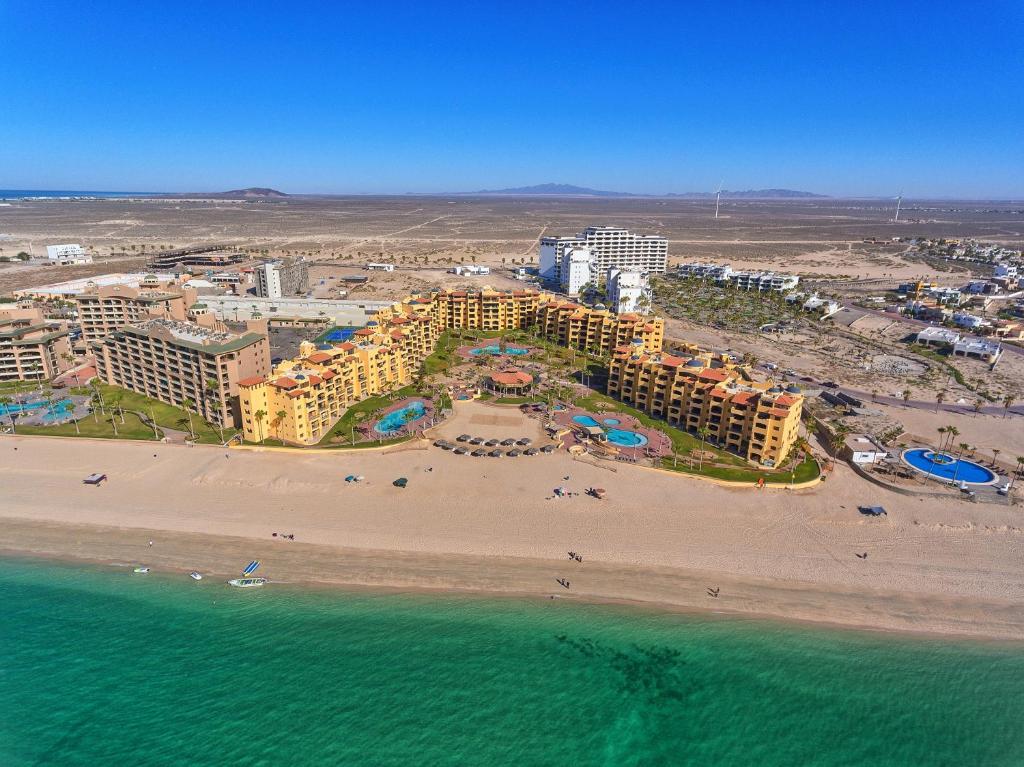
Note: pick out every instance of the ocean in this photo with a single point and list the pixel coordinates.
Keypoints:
(21, 194)
(100, 667)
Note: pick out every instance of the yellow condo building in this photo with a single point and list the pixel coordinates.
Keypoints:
(304, 397)
(758, 421)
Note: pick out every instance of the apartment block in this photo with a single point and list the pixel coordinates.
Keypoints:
(304, 397)
(486, 309)
(174, 361)
(278, 279)
(758, 421)
(31, 347)
(102, 309)
(628, 291)
(598, 331)
(610, 246)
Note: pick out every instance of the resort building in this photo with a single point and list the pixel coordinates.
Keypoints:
(104, 309)
(577, 270)
(598, 331)
(610, 246)
(758, 421)
(485, 309)
(70, 288)
(197, 257)
(628, 291)
(67, 254)
(174, 362)
(277, 279)
(760, 281)
(31, 347)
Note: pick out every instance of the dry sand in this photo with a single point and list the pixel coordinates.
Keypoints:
(492, 525)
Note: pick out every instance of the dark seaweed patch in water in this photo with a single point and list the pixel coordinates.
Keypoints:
(653, 673)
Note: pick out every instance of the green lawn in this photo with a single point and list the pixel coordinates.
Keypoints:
(165, 415)
(132, 428)
(805, 471)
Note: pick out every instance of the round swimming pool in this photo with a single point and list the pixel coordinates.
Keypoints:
(611, 421)
(396, 419)
(947, 468)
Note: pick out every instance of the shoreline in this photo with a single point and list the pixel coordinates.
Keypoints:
(650, 589)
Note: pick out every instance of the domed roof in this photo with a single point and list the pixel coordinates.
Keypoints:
(775, 390)
(324, 347)
(793, 389)
(694, 363)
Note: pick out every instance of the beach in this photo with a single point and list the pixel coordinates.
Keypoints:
(493, 526)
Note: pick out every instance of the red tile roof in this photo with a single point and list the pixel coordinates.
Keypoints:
(347, 346)
(319, 358)
(744, 397)
(512, 378)
(670, 361)
(284, 383)
(712, 374)
(785, 400)
(295, 394)
(364, 332)
(251, 381)
(329, 374)
(314, 380)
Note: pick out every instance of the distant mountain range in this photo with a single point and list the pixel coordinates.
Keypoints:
(569, 190)
(252, 193)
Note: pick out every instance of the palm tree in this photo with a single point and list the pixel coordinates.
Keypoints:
(187, 405)
(906, 394)
(703, 432)
(5, 402)
(952, 433)
(995, 455)
(1008, 401)
(939, 399)
(942, 436)
(978, 404)
(1016, 473)
(69, 410)
(259, 415)
(212, 389)
(279, 417)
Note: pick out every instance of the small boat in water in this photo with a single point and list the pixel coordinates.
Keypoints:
(247, 583)
(141, 570)
(195, 576)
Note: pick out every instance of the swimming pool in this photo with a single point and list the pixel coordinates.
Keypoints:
(947, 468)
(56, 413)
(620, 437)
(494, 349)
(396, 419)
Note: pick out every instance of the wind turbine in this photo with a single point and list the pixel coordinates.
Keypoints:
(718, 197)
(899, 201)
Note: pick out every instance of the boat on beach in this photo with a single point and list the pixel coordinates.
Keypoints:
(195, 576)
(141, 570)
(247, 583)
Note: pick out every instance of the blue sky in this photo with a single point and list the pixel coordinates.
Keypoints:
(834, 97)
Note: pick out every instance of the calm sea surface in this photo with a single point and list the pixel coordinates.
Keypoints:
(18, 194)
(102, 667)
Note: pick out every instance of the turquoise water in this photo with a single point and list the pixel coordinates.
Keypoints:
(56, 413)
(620, 437)
(947, 467)
(396, 419)
(494, 349)
(100, 667)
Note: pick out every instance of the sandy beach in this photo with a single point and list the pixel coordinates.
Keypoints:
(493, 525)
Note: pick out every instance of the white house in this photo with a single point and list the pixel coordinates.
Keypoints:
(381, 267)
(864, 451)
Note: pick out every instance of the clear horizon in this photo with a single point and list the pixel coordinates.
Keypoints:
(849, 102)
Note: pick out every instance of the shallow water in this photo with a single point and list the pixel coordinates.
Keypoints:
(100, 666)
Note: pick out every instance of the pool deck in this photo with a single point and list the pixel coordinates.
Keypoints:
(466, 352)
(937, 477)
(418, 425)
(658, 444)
